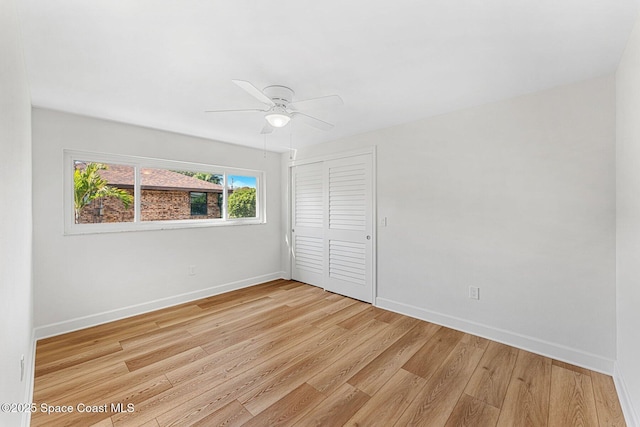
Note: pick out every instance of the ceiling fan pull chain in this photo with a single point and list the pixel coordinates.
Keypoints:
(291, 141)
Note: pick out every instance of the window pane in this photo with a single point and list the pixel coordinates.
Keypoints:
(103, 193)
(198, 203)
(241, 196)
(167, 194)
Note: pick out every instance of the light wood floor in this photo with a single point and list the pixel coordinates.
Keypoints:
(284, 353)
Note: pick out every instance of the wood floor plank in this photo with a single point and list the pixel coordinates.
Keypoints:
(339, 372)
(526, 403)
(302, 295)
(490, 380)
(340, 304)
(210, 391)
(216, 341)
(243, 355)
(377, 372)
(472, 412)
(335, 297)
(106, 333)
(133, 393)
(92, 366)
(116, 384)
(428, 358)
(103, 423)
(268, 393)
(199, 396)
(232, 414)
(187, 342)
(364, 316)
(290, 284)
(336, 409)
(393, 398)
(64, 348)
(185, 319)
(190, 311)
(97, 335)
(286, 353)
(435, 402)
(48, 387)
(157, 337)
(240, 295)
(571, 367)
(572, 400)
(222, 301)
(389, 316)
(607, 403)
(340, 315)
(233, 299)
(77, 358)
(288, 410)
(234, 317)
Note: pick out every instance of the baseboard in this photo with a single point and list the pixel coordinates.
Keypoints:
(559, 352)
(29, 376)
(134, 310)
(630, 415)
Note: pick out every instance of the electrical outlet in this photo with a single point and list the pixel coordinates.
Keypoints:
(192, 270)
(474, 292)
(22, 368)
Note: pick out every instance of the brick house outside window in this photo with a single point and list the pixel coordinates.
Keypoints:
(166, 195)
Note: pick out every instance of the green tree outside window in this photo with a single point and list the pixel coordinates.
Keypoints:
(89, 185)
(242, 203)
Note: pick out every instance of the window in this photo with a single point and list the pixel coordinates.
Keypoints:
(121, 193)
(103, 192)
(198, 203)
(241, 194)
(169, 194)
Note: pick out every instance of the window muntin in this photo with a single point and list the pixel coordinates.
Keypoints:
(163, 194)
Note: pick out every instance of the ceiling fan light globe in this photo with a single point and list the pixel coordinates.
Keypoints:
(278, 120)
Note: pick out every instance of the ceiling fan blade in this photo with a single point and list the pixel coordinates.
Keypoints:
(313, 121)
(323, 101)
(266, 129)
(254, 91)
(244, 110)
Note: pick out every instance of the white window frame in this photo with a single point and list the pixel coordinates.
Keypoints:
(70, 227)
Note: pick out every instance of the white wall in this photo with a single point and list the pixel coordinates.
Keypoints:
(15, 217)
(628, 227)
(516, 197)
(87, 279)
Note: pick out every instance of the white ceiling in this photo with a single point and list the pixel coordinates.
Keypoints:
(161, 63)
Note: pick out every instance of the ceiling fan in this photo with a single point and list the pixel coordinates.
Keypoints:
(280, 108)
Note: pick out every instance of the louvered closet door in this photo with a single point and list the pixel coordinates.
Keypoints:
(348, 238)
(308, 224)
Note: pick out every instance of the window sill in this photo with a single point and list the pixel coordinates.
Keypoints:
(81, 229)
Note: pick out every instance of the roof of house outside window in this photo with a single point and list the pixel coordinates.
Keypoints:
(157, 179)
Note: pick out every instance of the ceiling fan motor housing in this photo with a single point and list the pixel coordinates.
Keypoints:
(281, 95)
